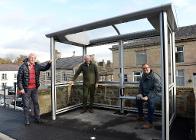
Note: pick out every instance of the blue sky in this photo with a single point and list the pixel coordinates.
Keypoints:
(24, 23)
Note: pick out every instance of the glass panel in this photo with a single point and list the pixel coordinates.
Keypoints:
(170, 57)
(179, 54)
(67, 95)
(171, 103)
(180, 78)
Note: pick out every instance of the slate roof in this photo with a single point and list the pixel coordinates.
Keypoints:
(68, 63)
(182, 34)
(9, 67)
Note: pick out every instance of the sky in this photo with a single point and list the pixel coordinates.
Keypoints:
(24, 23)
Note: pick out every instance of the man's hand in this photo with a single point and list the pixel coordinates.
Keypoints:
(96, 85)
(21, 91)
(50, 61)
(71, 82)
(145, 98)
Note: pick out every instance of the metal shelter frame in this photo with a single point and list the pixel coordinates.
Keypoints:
(163, 20)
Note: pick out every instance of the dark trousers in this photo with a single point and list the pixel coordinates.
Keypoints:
(31, 96)
(151, 107)
(88, 89)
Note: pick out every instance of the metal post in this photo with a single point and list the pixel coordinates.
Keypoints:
(174, 69)
(164, 74)
(15, 91)
(4, 95)
(84, 50)
(121, 60)
(53, 80)
(121, 63)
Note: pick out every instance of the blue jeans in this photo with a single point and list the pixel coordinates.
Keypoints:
(151, 107)
(27, 97)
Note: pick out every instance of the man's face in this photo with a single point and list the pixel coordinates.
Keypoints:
(146, 69)
(32, 59)
(87, 59)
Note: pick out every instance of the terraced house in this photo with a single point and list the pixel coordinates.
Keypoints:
(147, 50)
(8, 73)
(66, 67)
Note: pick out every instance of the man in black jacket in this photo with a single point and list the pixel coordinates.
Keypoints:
(150, 92)
(28, 83)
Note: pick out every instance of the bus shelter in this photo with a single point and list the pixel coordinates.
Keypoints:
(163, 21)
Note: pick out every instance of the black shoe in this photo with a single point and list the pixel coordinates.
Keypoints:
(83, 111)
(91, 110)
(140, 118)
(38, 121)
(27, 122)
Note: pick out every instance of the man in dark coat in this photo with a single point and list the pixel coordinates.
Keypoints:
(90, 79)
(28, 83)
(150, 92)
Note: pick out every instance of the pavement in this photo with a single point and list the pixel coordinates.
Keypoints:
(100, 125)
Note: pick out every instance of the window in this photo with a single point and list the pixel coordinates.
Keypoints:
(179, 54)
(141, 58)
(65, 78)
(48, 76)
(125, 78)
(3, 85)
(15, 75)
(180, 78)
(4, 76)
(137, 76)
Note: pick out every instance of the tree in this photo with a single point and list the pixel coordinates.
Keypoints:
(5, 61)
(19, 59)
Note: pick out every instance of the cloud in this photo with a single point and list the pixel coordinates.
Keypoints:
(23, 25)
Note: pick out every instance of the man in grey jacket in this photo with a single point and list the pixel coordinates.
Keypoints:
(150, 92)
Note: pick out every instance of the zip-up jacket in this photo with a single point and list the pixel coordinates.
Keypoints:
(90, 73)
(23, 74)
(150, 85)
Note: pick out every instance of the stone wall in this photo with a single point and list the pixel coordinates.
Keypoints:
(185, 102)
(108, 95)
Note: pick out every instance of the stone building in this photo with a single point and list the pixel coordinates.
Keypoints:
(147, 50)
(66, 67)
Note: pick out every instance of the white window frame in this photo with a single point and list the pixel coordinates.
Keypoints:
(4, 76)
(135, 76)
(182, 51)
(179, 76)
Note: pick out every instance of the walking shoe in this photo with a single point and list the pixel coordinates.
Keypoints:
(83, 111)
(91, 110)
(147, 125)
(39, 121)
(140, 119)
(27, 123)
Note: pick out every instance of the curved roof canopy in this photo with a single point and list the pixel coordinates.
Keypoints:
(71, 35)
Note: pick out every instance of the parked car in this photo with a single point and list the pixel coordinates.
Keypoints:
(19, 102)
(1, 101)
(11, 91)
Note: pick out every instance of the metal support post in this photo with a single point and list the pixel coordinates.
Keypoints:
(53, 78)
(164, 73)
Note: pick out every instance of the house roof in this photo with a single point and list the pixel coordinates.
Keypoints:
(69, 62)
(182, 34)
(9, 67)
